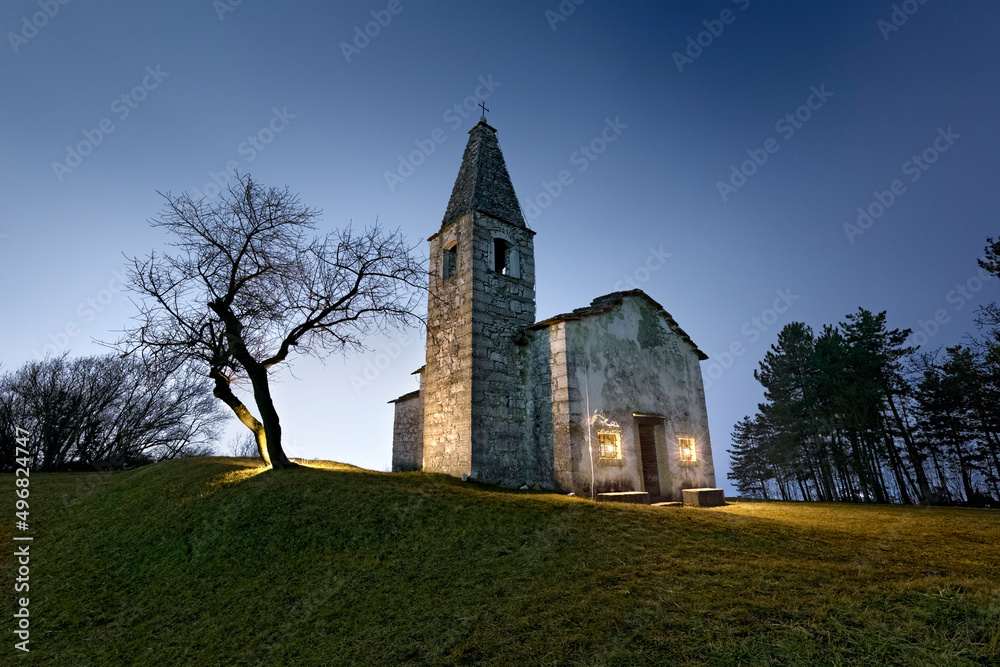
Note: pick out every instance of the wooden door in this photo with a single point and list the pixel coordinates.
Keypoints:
(647, 452)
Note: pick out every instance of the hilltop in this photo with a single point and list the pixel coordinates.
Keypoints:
(216, 562)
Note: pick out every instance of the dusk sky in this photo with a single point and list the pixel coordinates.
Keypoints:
(717, 156)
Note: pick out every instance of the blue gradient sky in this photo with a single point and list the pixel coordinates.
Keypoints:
(343, 125)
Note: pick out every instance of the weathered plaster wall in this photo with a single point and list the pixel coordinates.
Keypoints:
(625, 361)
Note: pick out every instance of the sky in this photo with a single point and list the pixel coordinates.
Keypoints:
(747, 164)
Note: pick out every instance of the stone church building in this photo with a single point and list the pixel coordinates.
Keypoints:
(606, 398)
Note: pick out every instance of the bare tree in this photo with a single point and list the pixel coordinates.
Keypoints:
(250, 283)
(243, 445)
(105, 411)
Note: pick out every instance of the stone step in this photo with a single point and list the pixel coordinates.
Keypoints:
(635, 497)
(704, 497)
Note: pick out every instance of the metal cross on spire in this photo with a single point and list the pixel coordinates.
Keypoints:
(482, 105)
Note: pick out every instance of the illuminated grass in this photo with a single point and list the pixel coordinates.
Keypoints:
(214, 562)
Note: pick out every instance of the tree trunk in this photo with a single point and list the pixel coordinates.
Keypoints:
(269, 417)
(781, 485)
(940, 473)
(803, 487)
(826, 470)
(991, 444)
(970, 491)
(881, 494)
(224, 393)
(873, 465)
(911, 450)
(842, 466)
(866, 485)
(898, 471)
(847, 484)
(809, 472)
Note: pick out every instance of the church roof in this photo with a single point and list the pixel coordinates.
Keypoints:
(406, 397)
(483, 183)
(603, 304)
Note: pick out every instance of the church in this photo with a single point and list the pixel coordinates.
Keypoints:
(607, 398)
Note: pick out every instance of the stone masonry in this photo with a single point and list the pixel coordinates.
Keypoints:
(509, 401)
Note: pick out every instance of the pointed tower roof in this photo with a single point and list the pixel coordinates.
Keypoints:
(483, 183)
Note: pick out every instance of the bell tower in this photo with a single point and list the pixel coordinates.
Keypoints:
(481, 299)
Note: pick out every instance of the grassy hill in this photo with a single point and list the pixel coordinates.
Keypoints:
(213, 562)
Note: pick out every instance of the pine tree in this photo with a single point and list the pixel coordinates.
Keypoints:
(750, 468)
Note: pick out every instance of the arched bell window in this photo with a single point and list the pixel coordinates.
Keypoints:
(504, 258)
(449, 261)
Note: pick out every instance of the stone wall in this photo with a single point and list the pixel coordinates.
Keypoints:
(510, 402)
(567, 411)
(475, 381)
(408, 433)
(503, 307)
(539, 426)
(447, 376)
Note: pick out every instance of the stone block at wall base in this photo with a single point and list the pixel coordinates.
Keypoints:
(635, 497)
(704, 497)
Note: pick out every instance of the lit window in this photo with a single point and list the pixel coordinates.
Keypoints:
(611, 445)
(450, 261)
(688, 454)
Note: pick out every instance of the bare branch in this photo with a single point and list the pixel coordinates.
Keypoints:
(251, 282)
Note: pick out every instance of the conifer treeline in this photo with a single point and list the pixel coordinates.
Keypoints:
(852, 414)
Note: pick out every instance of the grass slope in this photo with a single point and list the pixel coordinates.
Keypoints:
(213, 562)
